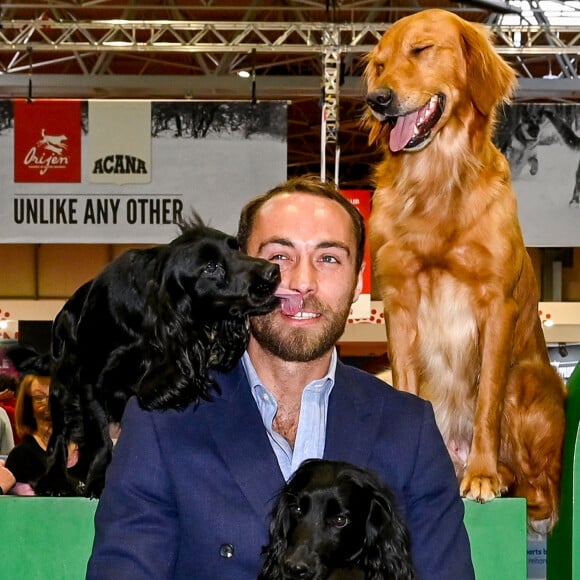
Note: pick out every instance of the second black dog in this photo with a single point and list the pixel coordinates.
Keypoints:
(336, 521)
(152, 323)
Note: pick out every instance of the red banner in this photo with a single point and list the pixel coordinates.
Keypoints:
(361, 199)
(47, 141)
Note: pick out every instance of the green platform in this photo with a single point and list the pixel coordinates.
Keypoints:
(499, 539)
(45, 538)
(34, 530)
(51, 538)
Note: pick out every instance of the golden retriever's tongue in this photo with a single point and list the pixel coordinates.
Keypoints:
(402, 132)
(290, 301)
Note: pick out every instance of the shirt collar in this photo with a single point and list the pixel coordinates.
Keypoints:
(254, 380)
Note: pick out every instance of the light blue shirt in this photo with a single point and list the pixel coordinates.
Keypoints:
(311, 434)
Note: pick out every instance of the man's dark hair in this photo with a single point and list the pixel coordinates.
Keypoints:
(311, 185)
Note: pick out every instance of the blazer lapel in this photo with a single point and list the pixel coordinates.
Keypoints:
(352, 425)
(246, 450)
(353, 420)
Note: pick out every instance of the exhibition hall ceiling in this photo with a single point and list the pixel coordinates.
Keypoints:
(198, 49)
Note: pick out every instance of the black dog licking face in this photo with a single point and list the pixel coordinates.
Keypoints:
(153, 323)
(334, 520)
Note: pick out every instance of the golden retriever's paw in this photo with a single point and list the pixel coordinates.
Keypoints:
(543, 527)
(481, 488)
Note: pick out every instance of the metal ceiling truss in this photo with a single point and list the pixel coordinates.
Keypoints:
(220, 49)
(330, 110)
(168, 36)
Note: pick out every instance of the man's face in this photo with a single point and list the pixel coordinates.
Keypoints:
(311, 239)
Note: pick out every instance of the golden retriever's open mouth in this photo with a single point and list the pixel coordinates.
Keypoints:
(412, 132)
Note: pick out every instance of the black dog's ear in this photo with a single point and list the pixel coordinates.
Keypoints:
(388, 547)
(280, 525)
(27, 360)
(227, 340)
(274, 552)
(175, 352)
(180, 349)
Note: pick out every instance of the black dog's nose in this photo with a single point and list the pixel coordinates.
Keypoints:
(296, 569)
(379, 100)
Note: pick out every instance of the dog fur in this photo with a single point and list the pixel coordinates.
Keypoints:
(335, 521)
(153, 323)
(459, 290)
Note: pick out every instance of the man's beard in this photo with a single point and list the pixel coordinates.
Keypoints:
(301, 344)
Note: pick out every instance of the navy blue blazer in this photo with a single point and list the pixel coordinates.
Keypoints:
(189, 493)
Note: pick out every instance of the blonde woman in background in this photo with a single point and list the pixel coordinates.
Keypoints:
(27, 461)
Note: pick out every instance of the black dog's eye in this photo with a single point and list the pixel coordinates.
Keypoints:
(295, 510)
(339, 521)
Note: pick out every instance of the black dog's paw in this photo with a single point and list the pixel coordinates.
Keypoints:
(94, 488)
(58, 487)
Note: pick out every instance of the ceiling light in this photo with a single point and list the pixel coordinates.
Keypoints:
(244, 74)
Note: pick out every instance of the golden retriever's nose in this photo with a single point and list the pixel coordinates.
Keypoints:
(380, 100)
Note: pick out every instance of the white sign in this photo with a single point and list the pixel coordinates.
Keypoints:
(205, 157)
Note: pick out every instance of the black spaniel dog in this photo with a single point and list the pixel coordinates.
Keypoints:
(336, 521)
(153, 324)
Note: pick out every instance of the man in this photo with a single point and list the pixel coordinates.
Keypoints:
(188, 494)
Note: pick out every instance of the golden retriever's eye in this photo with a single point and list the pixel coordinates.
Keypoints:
(379, 68)
(420, 48)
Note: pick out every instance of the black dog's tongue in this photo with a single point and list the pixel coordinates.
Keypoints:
(290, 301)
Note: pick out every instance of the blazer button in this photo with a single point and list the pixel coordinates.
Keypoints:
(226, 551)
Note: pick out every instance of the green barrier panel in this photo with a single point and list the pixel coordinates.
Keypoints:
(564, 542)
(51, 538)
(499, 539)
(45, 538)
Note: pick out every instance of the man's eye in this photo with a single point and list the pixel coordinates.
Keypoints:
(277, 257)
(329, 259)
(339, 521)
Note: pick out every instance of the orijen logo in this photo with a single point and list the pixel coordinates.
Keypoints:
(48, 153)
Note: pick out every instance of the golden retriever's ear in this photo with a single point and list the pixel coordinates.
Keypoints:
(368, 121)
(490, 79)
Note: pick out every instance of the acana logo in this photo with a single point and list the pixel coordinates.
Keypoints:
(120, 164)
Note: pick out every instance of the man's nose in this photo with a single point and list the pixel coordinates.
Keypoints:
(301, 277)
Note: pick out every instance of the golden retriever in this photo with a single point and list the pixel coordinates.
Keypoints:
(458, 286)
